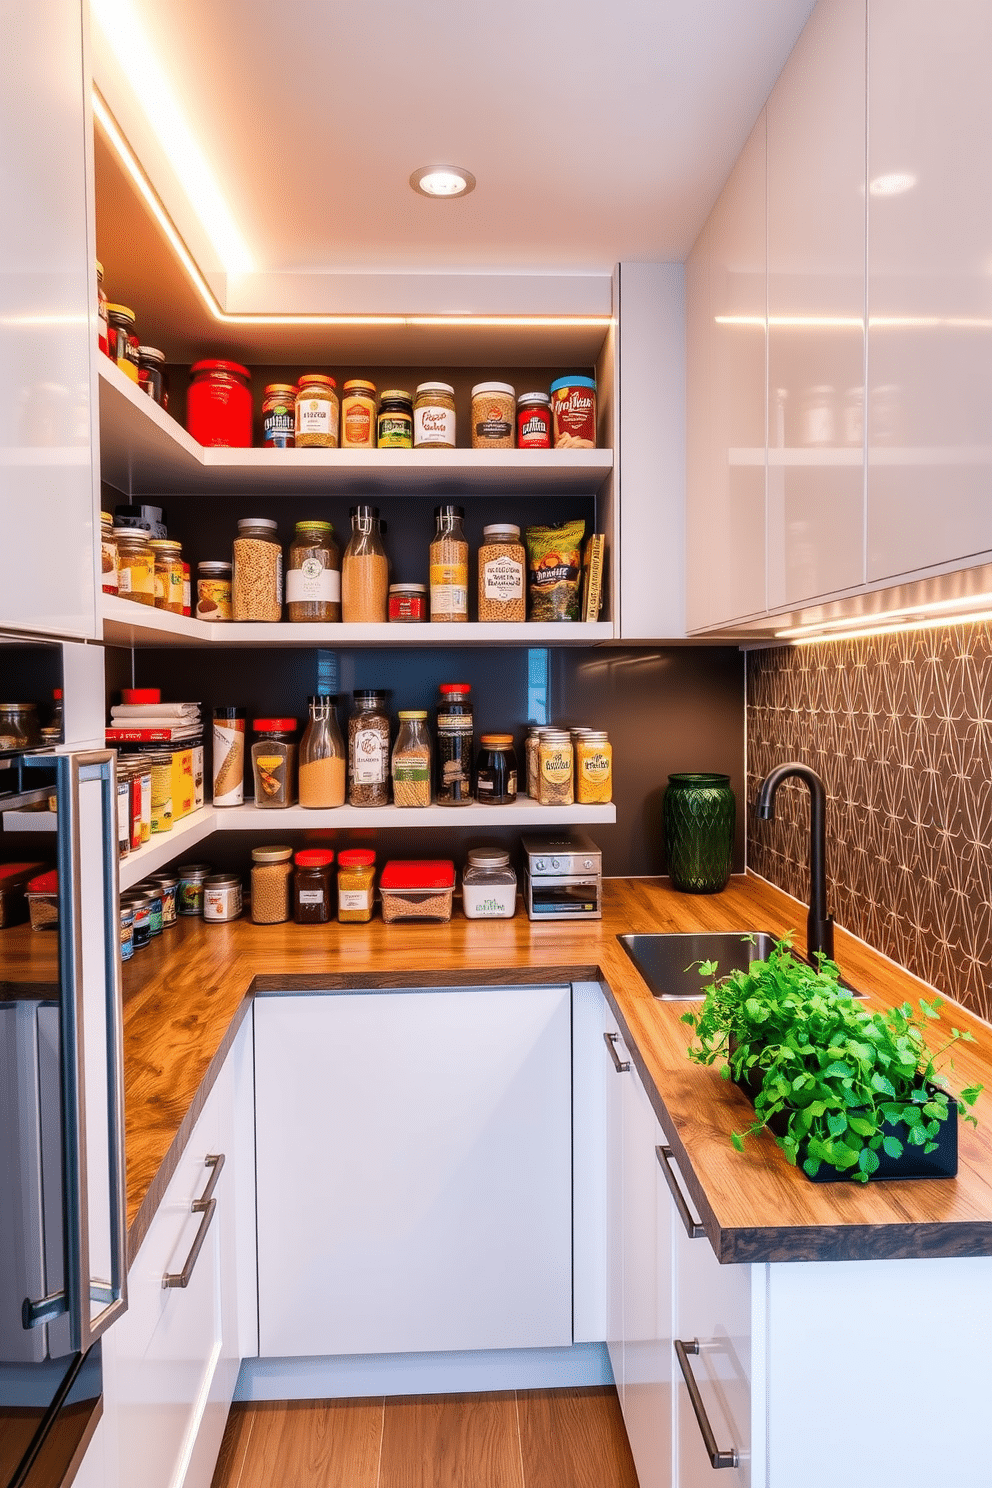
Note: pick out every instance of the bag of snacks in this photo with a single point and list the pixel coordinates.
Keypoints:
(554, 569)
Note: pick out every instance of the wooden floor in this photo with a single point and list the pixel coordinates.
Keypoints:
(570, 1438)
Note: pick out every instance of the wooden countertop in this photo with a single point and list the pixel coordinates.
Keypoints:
(185, 997)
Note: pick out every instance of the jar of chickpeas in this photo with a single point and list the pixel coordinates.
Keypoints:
(257, 581)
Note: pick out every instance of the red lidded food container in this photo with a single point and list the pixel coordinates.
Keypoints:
(422, 889)
(13, 883)
(218, 404)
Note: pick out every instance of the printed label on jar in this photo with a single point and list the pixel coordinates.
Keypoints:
(449, 589)
(124, 581)
(535, 431)
(493, 428)
(317, 416)
(434, 425)
(229, 762)
(395, 433)
(411, 770)
(108, 565)
(313, 582)
(358, 427)
(596, 767)
(311, 896)
(574, 411)
(503, 579)
(354, 899)
(213, 599)
(370, 753)
(556, 767)
(222, 904)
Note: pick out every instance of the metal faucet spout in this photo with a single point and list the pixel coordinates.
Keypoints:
(819, 924)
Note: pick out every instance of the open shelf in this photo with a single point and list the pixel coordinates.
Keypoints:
(126, 623)
(522, 813)
(146, 452)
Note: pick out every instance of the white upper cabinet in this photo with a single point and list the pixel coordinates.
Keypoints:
(47, 327)
(816, 308)
(725, 352)
(929, 284)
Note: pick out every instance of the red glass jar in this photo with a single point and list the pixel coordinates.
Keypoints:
(218, 405)
(534, 421)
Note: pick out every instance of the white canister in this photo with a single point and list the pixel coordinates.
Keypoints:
(489, 885)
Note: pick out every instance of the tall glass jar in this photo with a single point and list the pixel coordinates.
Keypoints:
(364, 571)
(368, 750)
(555, 768)
(412, 761)
(313, 576)
(322, 757)
(699, 813)
(257, 583)
(273, 761)
(593, 768)
(449, 565)
(455, 735)
(218, 404)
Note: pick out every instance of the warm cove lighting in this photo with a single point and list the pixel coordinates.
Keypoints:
(893, 183)
(856, 322)
(442, 181)
(927, 617)
(127, 40)
(148, 193)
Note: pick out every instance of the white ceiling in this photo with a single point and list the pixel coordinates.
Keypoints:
(597, 132)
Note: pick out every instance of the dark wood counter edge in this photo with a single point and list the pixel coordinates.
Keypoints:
(139, 1226)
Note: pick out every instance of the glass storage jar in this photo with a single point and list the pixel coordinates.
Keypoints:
(394, 428)
(273, 761)
(108, 554)
(699, 814)
(279, 415)
(322, 756)
(534, 421)
(434, 416)
(496, 770)
(356, 880)
(489, 885)
(368, 750)
(364, 571)
(555, 768)
(318, 412)
(213, 590)
(19, 726)
(358, 414)
(135, 565)
(257, 583)
(408, 603)
(412, 761)
(593, 768)
(502, 574)
(313, 574)
(271, 871)
(494, 411)
(313, 896)
(152, 376)
(218, 405)
(123, 343)
(455, 739)
(168, 574)
(449, 565)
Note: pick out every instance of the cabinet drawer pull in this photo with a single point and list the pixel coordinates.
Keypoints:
(718, 1457)
(693, 1228)
(620, 1065)
(206, 1204)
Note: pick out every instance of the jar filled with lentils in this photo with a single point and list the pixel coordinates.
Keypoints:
(555, 771)
(313, 575)
(434, 416)
(368, 750)
(257, 583)
(502, 574)
(271, 871)
(318, 412)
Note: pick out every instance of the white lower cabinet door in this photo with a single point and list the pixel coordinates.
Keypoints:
(414, 1170)
(618, 1074)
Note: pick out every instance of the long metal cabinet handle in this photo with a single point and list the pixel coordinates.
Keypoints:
(206, 1205)
(666, 1159)
(718, 1457)
(620, 1065)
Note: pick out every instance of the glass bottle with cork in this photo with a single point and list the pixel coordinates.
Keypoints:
(322, 774)
(449, 565)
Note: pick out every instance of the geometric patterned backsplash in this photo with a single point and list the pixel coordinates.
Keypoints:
(900, 729)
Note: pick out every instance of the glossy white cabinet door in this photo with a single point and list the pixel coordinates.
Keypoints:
(725, 511)
(816, 306)
(48, 501)
(929, 287)
(614, 1054)
(414, 1170)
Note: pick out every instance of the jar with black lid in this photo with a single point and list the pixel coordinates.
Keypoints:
(151, 374)
(496, 770)
(394, 428)
(313, 892)
(455, 737)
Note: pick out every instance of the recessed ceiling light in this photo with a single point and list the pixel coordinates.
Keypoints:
(894, 183)
(442, 180)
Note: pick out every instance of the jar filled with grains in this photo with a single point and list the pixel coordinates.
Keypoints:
(555, 769)
(135, 565)
(358, 414)
(273, 760)
(368, 750)
(364, 570)
(412, 761)
(531, 751)
(257, 585)
(271, 870)
(494, 411)
(213, 590)
(356, 880)
(317, 412)
(593, 768)
(313, 896)
(434, 416)
(449, 565)
(313, 576)
(395, 421)
(168, 574)
(108, 554)
(322, 757)
(502, 574)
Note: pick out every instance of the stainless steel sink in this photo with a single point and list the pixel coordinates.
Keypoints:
(668, 963)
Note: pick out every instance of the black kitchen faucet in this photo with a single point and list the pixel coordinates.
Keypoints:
(819, 925)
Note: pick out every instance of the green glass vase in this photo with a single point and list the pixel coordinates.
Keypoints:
(699, 815)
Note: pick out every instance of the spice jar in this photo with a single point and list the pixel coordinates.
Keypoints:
(449, 565)
(123, 351)
(257, 585)
(434, 416)
(313, 896)
(218, 405)
(279, 416)
(271, 871)
(412, 761)
(573, 411)
(168, 574)
(408, 602)
(364, 570)
(102, 324)
(502, 574)
(108, 554)
(229, 756)
(317, 412)
(322, 757)
(135, 565)
(496, 770)
(555, 765)
(368, 750)
(213, 590)
(356, 877)
(221, 898)
(358, 416)
(313, 576)
(395, 422)
(593, 768)
(489, 885)
(494, 410)
(187, 591)
(454, 744)
(191, 880)
(151, 374)
(533, 421)
(273, 760)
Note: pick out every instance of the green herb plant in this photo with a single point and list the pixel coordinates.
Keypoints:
(827, 1074)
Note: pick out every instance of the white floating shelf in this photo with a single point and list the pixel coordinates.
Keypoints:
(29, 821)
(146, 452)
(126, 623)
(164, 847)
(522, 813)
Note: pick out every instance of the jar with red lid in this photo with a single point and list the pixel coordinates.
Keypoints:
(273, 759)
(408, 602)
(313, 894)
(534, 421)
(218, 405)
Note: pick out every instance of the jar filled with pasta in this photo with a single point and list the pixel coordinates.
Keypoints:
(412, 761)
